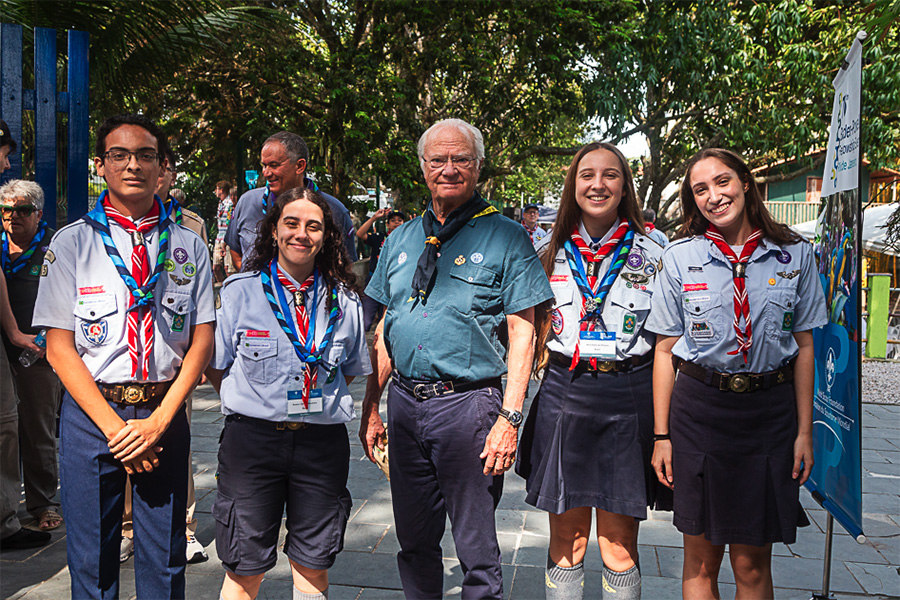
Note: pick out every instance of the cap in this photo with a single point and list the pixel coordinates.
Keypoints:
(530, 206)
(396, 213)
(5, 137)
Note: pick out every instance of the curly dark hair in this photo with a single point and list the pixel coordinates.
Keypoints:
(333, 260)
(694, 223)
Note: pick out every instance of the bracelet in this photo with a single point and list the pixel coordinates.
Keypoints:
(660, 437)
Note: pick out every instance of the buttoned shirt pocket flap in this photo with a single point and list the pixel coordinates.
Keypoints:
(699, 304)
(785, 299)
(334, 355)
(178, 303)
(631, 301)
(253, 348)
(94, 307)
(779, 313)
(473, 274)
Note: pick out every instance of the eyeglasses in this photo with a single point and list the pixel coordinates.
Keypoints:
(462, 162)
(120, 157)
(23, 210)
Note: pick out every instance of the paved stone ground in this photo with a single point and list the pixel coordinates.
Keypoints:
(366, 569)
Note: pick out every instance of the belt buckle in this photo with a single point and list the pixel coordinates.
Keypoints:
(739, 383)
(294, 426)
(606, 366)
(420, 392)
(133, 394)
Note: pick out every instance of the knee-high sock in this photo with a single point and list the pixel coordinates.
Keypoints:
(298, 595)
(564, 583)
(625, 585)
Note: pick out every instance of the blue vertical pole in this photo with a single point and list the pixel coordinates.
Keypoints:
(77, 168)
(11, 92)
(45, 118)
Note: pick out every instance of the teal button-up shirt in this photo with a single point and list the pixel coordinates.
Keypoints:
(486, 271)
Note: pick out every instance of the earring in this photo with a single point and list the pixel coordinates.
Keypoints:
(274, 241)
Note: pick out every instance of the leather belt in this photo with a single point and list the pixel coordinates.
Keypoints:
(735, 382)
(279, 425)
(134, 393)
(603, 366)
(423, 389)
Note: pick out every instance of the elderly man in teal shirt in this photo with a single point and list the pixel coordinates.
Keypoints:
(450, 281)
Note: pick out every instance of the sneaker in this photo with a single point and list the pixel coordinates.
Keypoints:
(126, 548)
(195, 552)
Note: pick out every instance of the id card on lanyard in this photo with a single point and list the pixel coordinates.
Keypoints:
(598, 344)
(295, 398)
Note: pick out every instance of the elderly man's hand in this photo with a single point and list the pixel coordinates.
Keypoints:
(371, 429)
(499, 452)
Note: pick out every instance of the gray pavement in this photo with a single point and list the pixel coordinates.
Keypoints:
(367, 569)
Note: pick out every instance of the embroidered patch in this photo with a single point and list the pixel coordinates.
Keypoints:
(218, 301)
(95, 289)
(558, 279)
(694, 287)
(402, 258)
(787, 322)
(95, 332)
(690, 299)
(169, 265)
(189, 269)
(693, 269)
(701, 330)
(628, 323)
(556, 320)
(784, 258)
(635, 278)
(649, 269)
(180, 255)
(257, 333)
(477, 257)
(35, 270)
(634, 261)
(178, 280)
(44, 270)
(178, 323)
(788, 274)
(49, 256)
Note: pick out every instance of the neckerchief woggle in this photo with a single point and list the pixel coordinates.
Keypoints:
(593, 303)
(310, 185)
(10, 267)
(280, 308)
(142, 295)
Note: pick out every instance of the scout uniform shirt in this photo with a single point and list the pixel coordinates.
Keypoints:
(81, 291)
(694, 299)
(486, 271)
(260, 362)
(22, 287)
(625, 308)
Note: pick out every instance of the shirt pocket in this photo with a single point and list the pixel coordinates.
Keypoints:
(473, 289)
(779, 312)
(97, 320)
(176, 313)
(259, 359)
(633, 308)
(334, 355)
(704, 319)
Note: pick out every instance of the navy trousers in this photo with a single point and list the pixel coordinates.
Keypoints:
(92, 486)
(436, 472)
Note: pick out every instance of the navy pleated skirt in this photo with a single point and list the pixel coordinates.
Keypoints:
(587, 442)
(732, 461)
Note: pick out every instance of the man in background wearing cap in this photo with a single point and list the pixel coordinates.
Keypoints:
(395, 218)
(530, 216)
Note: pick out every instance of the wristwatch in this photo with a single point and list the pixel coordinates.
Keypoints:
(514, 417)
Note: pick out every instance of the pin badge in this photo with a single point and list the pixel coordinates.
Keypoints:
(477, 257)
(771, 281)
(298, 298)
(460, 260)
(402, 258)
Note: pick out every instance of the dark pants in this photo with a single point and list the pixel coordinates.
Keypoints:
(93, 494)
(435, 472)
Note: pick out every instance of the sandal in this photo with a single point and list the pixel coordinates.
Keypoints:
(49, 519)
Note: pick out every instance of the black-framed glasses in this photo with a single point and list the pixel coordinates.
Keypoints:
(121, 157)
(461, 162)
(23, 210)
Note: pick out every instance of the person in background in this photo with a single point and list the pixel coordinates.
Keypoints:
(395, 218)
(658, 236)
(129, 343)
(586, 444)
(223, 265)
(289, 340)
(25, 239)
(530, 215)
(12, 535)
(736, 302)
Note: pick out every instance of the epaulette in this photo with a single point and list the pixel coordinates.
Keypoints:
(239, 276)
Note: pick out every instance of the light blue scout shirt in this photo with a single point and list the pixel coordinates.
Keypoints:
(248, 214)
(486, 271)
(259, 360)
(625, 308)
(694, 299)
(82, 291)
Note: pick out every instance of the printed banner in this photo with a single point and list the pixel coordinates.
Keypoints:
(836, 478)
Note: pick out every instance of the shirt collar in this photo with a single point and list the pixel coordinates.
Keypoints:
(587, 237)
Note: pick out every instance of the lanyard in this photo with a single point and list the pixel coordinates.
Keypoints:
(280, 308)
(594, 303)
(10, 267)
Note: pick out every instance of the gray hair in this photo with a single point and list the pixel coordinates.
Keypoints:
(470, 131)
(293, 144)
(178, 195)
(19, 188)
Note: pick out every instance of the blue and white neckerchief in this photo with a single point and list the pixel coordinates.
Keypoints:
(14, 266)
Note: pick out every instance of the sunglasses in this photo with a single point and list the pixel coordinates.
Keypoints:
(23, 210)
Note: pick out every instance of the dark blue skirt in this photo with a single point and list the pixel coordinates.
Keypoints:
(732, 460)
(587, 442)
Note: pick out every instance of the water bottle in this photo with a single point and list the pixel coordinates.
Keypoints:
(28, 357)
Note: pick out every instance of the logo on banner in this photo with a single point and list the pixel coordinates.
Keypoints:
(829, 369)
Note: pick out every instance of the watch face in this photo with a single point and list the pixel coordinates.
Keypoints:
(514, 417)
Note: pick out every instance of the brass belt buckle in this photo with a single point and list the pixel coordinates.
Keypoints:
(293, 426)
(133, 394)
(605, 366)
(739, 383)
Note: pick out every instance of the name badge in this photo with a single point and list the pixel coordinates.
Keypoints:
(295, 399)
(598, 344)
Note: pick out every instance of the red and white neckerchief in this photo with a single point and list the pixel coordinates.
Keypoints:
(310, 372)
(649, 227)
(741, 298)
(530, 231)
(592, 262)
(140, 270)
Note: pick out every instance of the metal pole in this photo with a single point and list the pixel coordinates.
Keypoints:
(826, 575)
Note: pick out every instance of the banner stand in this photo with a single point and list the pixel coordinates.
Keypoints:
(826, 575)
